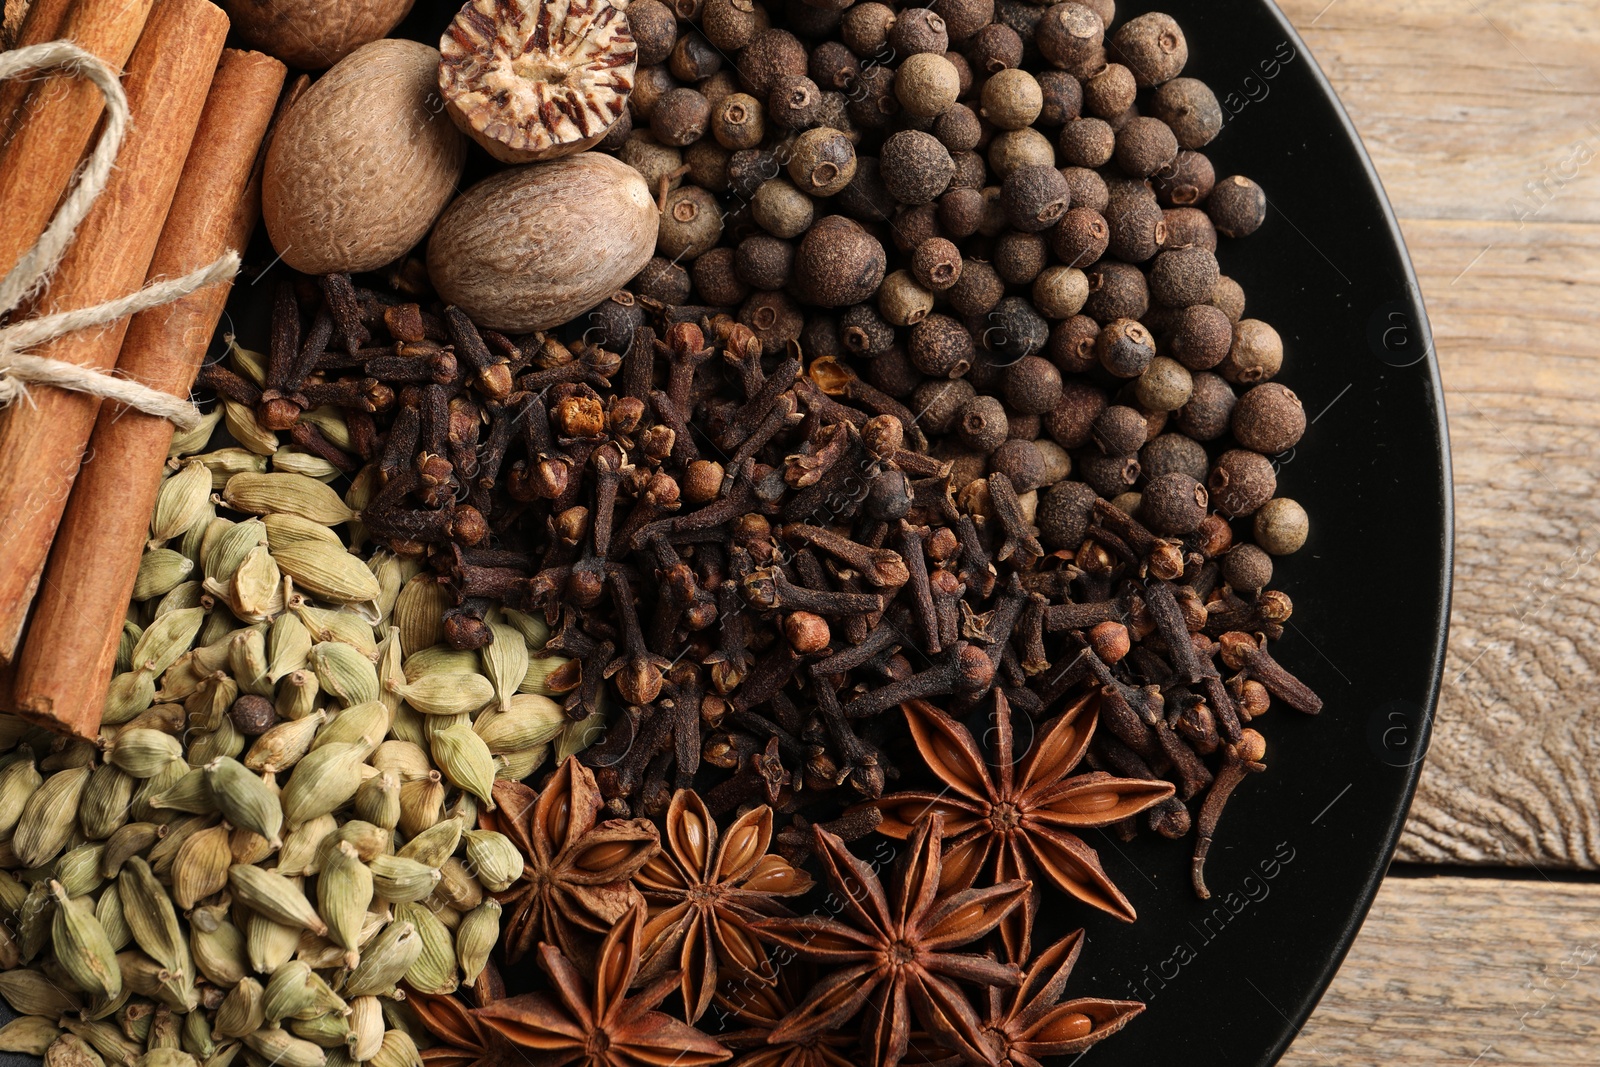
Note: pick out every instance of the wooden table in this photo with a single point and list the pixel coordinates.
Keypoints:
(1481, 118)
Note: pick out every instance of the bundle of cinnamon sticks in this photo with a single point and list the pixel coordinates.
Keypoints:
(78, 477)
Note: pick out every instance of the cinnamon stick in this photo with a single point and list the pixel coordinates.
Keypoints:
(43, 439)
(58, 117)
(40, 23)
(66, 662)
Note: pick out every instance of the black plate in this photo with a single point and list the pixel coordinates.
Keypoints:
(1302, 848)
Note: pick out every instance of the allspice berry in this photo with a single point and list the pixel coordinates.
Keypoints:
(1071, 346)
(1237, 206)
(1269, 419)
(936, 264)
(781, 209)
(738, 121)
(1144, 146)
(1061, 97)
(833, 65)
(1059, 292)
(690, 225)
(1201, 337)
(1064, 513)
(1109, 93)
(1109, 476)
(982, 424)
(1209, 412)
(1087, 142)
(1241, 481)
(1034, 198)
(1032, 386)
(1256, 354)
(795, 103)
(872, 101)
(694, 59)
(1088, 188)
(1190, 107)
(702, 482)
(806, 633)
(1187, 182)
(1152, 47)
(1116, 291)
(1072, 36)
(864, 27)
(1012, 99)
(958, 128)
(1137, 228)
(926, 84)
(764, 262)
(864, 332)
(1173, 453)
(901, 301)
(1119, 430)
(1019, 257)
(1173, 504)
(996, 47)
(1081, 237)
(770, 55)
(978, 289)
(1018, 460)
(1165, 385)
(1281, 526)
(838, 263)
(1229, 297)
(823, 161)
(775, 318)
(1247, 569)
(662, 279)
(918, 30)
(914, 166)
(1125, 348)
(715, 279)
(939, 402)
(1072, 420)
(252, 715)
(1183, 276)
(655, 30)
(1019, 148)
(1189, 227)
(728, 24)
(1014, 330)
(680, 117)
(940, 347)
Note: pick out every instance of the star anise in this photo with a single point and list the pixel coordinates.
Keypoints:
(596, 1023)
(1020, 818)
(576, 871)
(762, 1008)
(703, 893)
(895, 954)
(464, 1041)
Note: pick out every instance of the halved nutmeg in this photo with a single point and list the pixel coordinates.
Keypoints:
(537, 79)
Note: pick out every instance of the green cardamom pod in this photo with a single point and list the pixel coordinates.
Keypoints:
(268, 944)
(12, 896)
(82, 947)
(302, 852)
(33, 922)
(128, 840)
(70, 1050)
(421, 802)
(106, 1039)
(440, 659)
(446, 693)
(154, 922)
(218, 946)
(396, 879)
(279, 1047)
(163, 852)
(343, 671)
(246, 800)
(29, 1035)
(383, 962)
(378, 800)
(161, 570)
(342, 624)
(224, 463)
(457, 886)
(529, 720)
(274, 896)
(435, 844)
(397, 1050)
(366, 1023)
(322, 782)
(108, 909)
(578, 736)
(282, 746)
(330, 1032)
(494, 859)
(48, 817)
(165, 639)
(166, 1057)
(535, 631)
(242, 1011)
(505, 661)
(297, 695)
(190, 794)
(476, 937)
(142, 753)
(284, 529)
(244, 427)
(129, 694)
(179, 502)
(197, 1040)
(247, 655)
(291, 494)
(466, 761)
(293, 461)
(408, 724)
(186, 442)
(329, 571)
(201, 866)
(434, 970)
(344, 890)
(361, 724)
(19, 780)
(255, 593)
(106, 799)
(31, 993)
(517, 766)
(225, 742)
(226, 548)
(288, 646)
(78, 870)
(296, 991)
(370, 841)
(190, 594)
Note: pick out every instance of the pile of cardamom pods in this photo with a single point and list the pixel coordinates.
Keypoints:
(278, 822)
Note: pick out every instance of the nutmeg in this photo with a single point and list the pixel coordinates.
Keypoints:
(334, 195)
(531, 247)
(313, 34)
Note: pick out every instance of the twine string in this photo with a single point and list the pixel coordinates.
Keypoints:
(32, 273)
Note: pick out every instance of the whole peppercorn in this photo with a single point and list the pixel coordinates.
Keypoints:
(872, 102)
(1173, 504)
(1241, 481)
(958, 128)
(748, 168)
(1034, 198)
(1125, 348)
(1144, 146)
(893, 373)
(1072, 38)
(1281, 526)
(1018, 460)
(1187, 182)
(911, 226)
(1119, 430)
(940, 347)
(914, 166)
(866, 198)
(1109, 93)
(716, 280)
(769, 56)
(1110, 476)
(764, 262)
(1237, 206)
(252, 715)
(981, 424)
(728, 24)
(1229, 296)
(1255, 355)
(917, 30)
(794, 102)
(708, 164)
(693, 58)
(1032, 386)
(691, 224)
(1183, 276)
(650, 84)
(680, 117)
(781, 209)
(978, 289)
(823, 161)
(1019, 148)
(838, 263)
(1012, 99)
(864, 28)
(663, 280)
(1063, 515)
(1019, 257)
(1201, 337)
(1014, 329)
(1059, 292)
(1190, 107)
(775, 318)
(926, 84)
(1072, 420)
(1209, 412)
(1189, 227)
(1171, 453)
(1081, 237)
(1088, 188)
(1086, 142)
(1071, 346)
(1247, 568)
(1269, 419)
(655, 30)
(901, 301)
(938, 403)
(1152, 46)
(1061, 97)
(702, 482)
(864, 332)
(1165, 385)
(1116, 291)
(1136, 228)
(936, 264)
(994, 48)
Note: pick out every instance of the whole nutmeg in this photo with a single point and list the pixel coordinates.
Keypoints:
(313, 34)
(335, 197)
(531, 247)
(838, 263)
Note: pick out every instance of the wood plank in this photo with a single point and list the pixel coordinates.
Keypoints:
(1475, 110)
(1465, 970)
